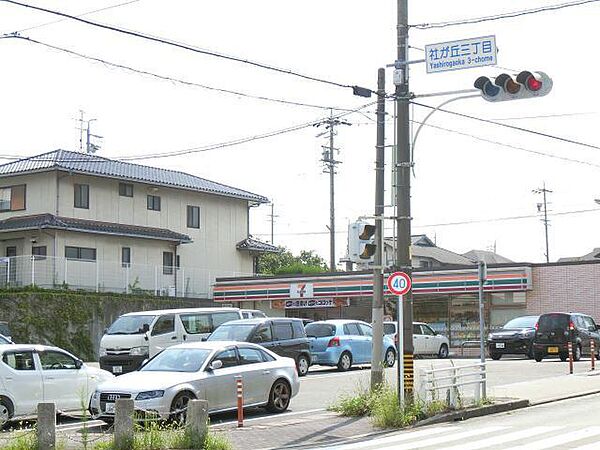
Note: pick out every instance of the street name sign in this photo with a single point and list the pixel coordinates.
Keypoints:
(463, 54)
(399, 283)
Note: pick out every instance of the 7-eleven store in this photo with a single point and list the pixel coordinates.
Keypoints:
(446, 299)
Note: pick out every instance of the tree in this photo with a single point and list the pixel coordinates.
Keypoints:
(285, 263)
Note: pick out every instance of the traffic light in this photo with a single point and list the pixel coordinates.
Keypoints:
(504, 87)
(361, 242)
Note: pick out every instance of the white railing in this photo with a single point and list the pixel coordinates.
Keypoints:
(109, 276)
(448, 381)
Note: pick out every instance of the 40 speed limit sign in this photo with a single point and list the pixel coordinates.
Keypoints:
(399, 283)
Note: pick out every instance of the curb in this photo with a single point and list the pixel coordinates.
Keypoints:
(474, 412)
(568, 397)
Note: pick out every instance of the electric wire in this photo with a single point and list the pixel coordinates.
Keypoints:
(171, 79)
(181, 45)
(509, 15)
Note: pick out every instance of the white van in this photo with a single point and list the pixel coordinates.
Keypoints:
(137, 336)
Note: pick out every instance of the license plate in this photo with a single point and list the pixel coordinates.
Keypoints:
(110, 408)
(500, 345)
(117, 369)
(552, 349)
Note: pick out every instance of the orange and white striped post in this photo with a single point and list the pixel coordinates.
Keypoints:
(593, 351)
(240, 401)
(570, 348)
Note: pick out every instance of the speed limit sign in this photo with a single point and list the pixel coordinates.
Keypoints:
(399, 283)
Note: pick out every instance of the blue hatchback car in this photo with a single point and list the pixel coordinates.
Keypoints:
(343, 343)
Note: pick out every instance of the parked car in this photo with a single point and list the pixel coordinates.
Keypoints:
(514, 338)
(281, 335)
(30, 374)
(343, 343)
(5, 340)
(5, 330)
(554, 330)
(202, 370)
(137, 336)
(252, 313)
(426, 341)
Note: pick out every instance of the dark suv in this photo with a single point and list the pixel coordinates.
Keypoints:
(554, 330)
(283, 336)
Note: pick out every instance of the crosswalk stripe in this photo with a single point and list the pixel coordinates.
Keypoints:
(503, 438)
(404, 436)
(560, 439)
(592, 446)
(447, 438)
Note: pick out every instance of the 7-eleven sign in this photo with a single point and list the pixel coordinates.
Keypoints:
(301, 290)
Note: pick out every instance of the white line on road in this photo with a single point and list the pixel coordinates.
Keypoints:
(405, 436)
(555, 441)
(503, 438)
(254, 419)
(78, 425)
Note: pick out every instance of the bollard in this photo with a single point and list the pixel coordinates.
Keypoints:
(570, 348)
(593, 351)
(46, 426)
(240, 401)
(123, 424)
(197, 422)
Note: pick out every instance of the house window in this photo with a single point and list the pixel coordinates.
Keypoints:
(126, 189)
(82, 196)
(193, 216)
(125, 256)
(154, 202)
(39, 252)
(178, 261)
(12, 198)
(168, 263)
(80, 253)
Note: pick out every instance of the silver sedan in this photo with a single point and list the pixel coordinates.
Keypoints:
(202, 370)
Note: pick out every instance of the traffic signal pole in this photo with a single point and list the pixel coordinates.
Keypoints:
(377, 307)
(402, 181)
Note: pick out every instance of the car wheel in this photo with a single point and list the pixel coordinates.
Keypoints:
(496, 356)
(443, 353)
(6, 411)
(563, 357)
(390, 357)
(302, 365)
(179, 407)
(577, 353)
(279, 397)
(538, 358)
(345, 362)
(530, 354)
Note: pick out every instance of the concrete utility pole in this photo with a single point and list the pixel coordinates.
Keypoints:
(330, 163)
(272, 216)
(403, 169)
(545, 220)
(377, 311)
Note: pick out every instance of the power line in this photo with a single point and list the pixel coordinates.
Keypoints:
(509, 15)
(170, 79)
(78, 15)
(513, 127)
(181, 45)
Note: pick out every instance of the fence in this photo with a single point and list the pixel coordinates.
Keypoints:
(109, 276)
(448, 381)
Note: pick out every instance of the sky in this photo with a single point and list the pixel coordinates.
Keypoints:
(469, 176)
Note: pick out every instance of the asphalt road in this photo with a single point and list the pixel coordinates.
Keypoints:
(558, 425)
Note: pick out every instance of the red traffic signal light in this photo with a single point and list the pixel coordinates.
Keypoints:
(525, 85)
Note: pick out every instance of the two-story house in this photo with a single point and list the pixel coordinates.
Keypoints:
(85, 221)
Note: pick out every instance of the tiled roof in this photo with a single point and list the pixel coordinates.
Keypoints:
(104, 167)
(487, 256)
(254, 245)
(50, 221)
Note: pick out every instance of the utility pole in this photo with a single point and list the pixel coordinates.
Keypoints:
(272, 216)
(377, 306)
(330, 162)
(89, 146)
(403, 170)
(81, 113)
(545, 220)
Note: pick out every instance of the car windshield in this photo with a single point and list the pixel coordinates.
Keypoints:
(553, 322)
(178, 360)
(320, 330)
(130, 324)
(232, 332)
(389, 328)
(3, 340)
(521, 322)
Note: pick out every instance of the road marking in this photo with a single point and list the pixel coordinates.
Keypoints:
(449, 438)
(503, 438)
(76, 426)
(405, 436)
(565, 438)
(254, 419)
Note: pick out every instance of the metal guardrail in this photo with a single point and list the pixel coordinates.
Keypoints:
(456, 377)
(468, 344)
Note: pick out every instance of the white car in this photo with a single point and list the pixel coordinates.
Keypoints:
(30, 374)
(425, 340)
(202, 370)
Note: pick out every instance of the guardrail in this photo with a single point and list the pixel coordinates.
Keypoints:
(435, 380)
(472, 344)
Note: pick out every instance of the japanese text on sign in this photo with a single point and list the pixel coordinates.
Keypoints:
(456, 55)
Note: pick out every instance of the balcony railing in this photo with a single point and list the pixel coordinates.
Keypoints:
(109, 276)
